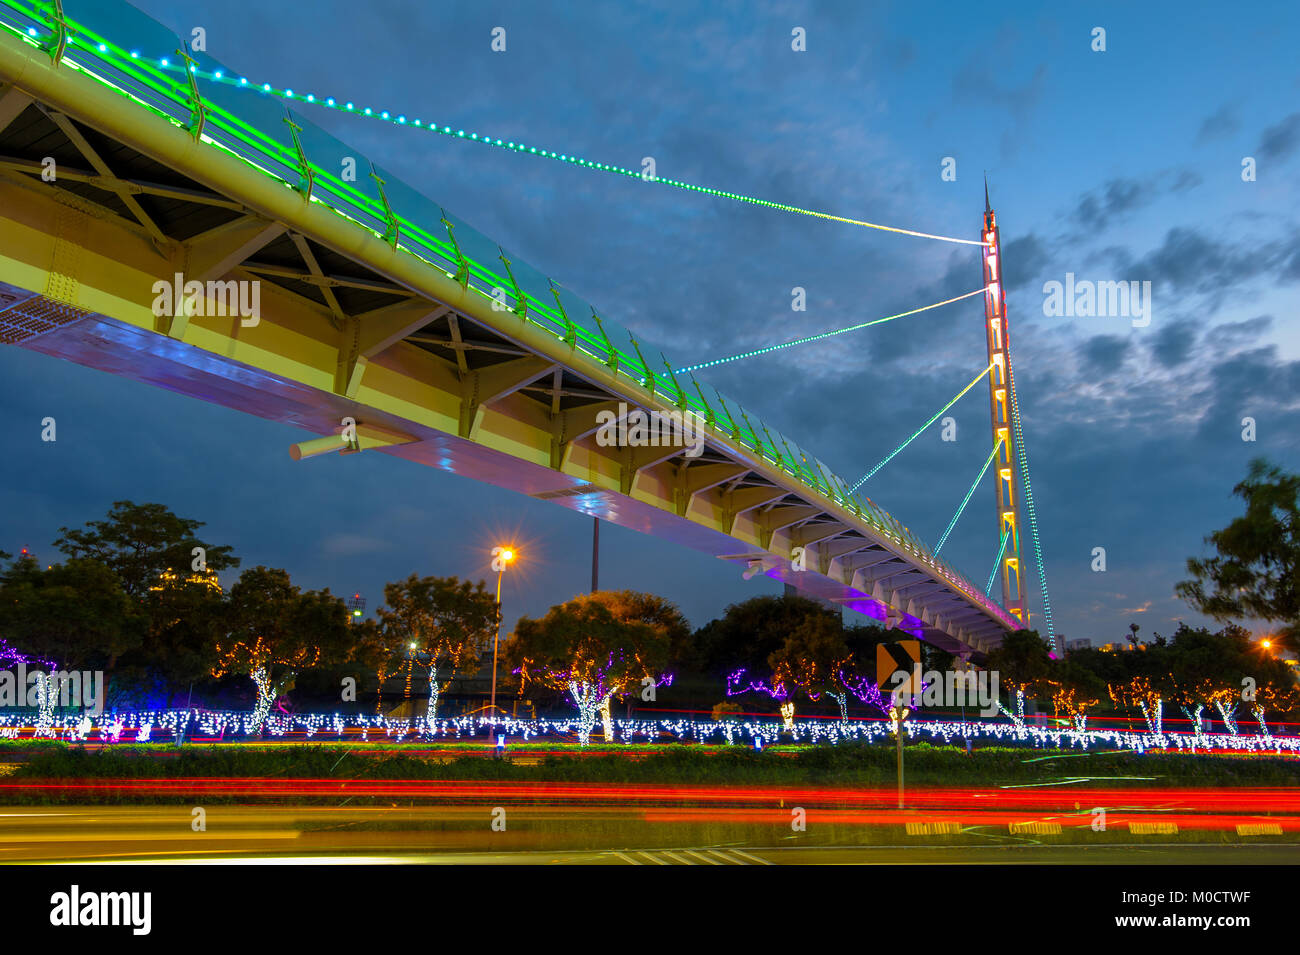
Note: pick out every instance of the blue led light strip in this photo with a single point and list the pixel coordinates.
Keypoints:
(890, 456)
(988, 588)
(965, 500)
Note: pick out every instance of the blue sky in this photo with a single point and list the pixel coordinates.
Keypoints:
(1123, 164)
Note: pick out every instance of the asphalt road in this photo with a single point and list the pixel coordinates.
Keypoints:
(566, 835)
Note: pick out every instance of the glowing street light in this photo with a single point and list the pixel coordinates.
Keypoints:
(502, 557)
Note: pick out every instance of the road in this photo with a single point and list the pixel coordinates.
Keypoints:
(572, 835)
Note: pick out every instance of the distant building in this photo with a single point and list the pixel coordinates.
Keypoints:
(1120, 645)
(1079, 643)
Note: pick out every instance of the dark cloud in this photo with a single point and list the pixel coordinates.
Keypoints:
(1188, 261)
(1105, 354)
(979, 81)
(1026, 259)
(1116, 198)
(1173, 343)
(1219, 124)
(1280, 140)
(1234, 334)
(1119, 198)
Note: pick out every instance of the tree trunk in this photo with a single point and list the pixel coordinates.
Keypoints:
(607, 720)
(434, 691)
(267, 693)
(584, 695)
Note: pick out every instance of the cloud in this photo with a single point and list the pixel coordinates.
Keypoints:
(1221, 123)
(1026, 258)
(978, 81)
(1280, 140)
(1121, 197)
(1105, 353)
(1173, 343)
(1115, 199)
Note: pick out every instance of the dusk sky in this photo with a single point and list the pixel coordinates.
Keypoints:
(1125, 164)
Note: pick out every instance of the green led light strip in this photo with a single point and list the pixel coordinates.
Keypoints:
(1029, 503)
(823, 335)
(1002, 549)
(889, 457)
(965, 500)
(400, 119)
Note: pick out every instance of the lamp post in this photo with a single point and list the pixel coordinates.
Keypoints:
(502, 557)
(898, 714)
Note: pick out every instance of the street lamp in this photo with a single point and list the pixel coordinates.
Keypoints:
(502, 557)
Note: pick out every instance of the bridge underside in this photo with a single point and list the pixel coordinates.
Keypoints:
(351, 326)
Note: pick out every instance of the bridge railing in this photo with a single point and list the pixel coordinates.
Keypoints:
(156, 70)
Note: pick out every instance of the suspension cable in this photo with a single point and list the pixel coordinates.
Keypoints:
(1029, 503)
(830, 334)
(400, 119)
(890, 456)
(966, 500)
(1002, 549)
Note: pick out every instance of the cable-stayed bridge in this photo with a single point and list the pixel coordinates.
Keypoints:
(165, 219)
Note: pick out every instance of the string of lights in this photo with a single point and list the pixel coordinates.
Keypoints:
(1029, 503)
(140, 727)
(824, 335)
(400, 119)
(997, 562)
(965, 500)
(890, 456)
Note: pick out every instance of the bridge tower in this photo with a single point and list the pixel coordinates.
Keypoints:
(1008, 499)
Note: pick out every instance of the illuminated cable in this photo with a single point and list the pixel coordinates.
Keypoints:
(889, 457)
(400, 119)
(988, 588)
(815, 338)
(1029, 503)
(964, 501)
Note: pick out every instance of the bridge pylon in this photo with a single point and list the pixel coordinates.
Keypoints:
(1004, 437)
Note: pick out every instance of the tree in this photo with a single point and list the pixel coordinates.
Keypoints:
(1021, 662)
(275, 630)
(1146, 683)
(141, 542)
(442, 621)
(814, 660)
(750, 631)
(585, 647)
(1255, 573)
(185, 615)
(1206, 668)
(73, 614)
(1075, 690)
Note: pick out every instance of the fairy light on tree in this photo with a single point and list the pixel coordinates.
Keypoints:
(436, 622)
(587, 649)
(814, 660)
(277, 630)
